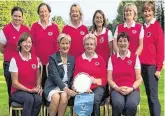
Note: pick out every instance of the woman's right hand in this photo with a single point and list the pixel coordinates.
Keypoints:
(34, 90)
(69, 91)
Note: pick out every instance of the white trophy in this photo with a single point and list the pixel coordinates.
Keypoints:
(82, 82)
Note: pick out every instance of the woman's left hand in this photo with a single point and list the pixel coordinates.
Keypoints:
(157, 74)
(127, 90)
(40, 90)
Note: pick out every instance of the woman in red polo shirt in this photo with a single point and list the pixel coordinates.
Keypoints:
(9, 37)
(152, 57)
(133, 29)
(44, 34)
(104, 36)
(94, 65)
(76, 29)
(124, 77)
(24, 69)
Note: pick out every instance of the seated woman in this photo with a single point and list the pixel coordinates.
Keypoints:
(93, 64)
(24, 68)
(124, 77)
(60, 72)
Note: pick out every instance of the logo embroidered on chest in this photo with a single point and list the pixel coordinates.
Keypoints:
(14, 37)
(149, 34)
(34, 66)
(134, 31)
(50, 33)
(82, 32)
(101, 40)
(129, 62)
(97, 63)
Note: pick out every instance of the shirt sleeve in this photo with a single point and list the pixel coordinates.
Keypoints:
(110, 37)
(13, 66)
(2, 37)
(116, 33)
(110, 67)
(141, 33)
(137, 64)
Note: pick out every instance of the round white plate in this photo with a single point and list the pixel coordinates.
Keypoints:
(82, 82)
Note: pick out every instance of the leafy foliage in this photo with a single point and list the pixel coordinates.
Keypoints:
(59, 21)
(29, 10)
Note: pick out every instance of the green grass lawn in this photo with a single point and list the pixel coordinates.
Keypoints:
(143, 103)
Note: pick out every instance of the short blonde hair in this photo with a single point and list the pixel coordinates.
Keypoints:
(90, 36)
(79, 9)
(130, 6)
(63, 36)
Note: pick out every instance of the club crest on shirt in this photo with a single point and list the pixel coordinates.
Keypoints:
(82, 32)
(34, 66)
(129, 62)
(134, 31)
(14, 37)
(149, 34)
(97, 63)
(84, 107)
(101, 40)
(50, 33)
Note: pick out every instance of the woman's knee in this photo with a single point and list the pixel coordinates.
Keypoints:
(55, 98)
(38, 99)
(64, 98)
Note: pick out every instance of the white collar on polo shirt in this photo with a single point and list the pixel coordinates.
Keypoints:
(17, 28)
(128, 54)
(89, 59)
(102, 32)
(70, 24)
(49, 23)
(133, 24)
(151, 22)
(23, 58)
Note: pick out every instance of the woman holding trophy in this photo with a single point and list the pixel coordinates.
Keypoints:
(94, 66)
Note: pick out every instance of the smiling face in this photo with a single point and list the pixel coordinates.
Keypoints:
(129, 14)
(75, 14)
(98, 20)
(123, 44)
(26, 45)
(90, 45)
(17, 18)
(64, 45)
(44, 13)
(148, 14)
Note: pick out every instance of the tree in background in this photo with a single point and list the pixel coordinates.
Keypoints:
(29, 10)
(59, 21)
(160, 8)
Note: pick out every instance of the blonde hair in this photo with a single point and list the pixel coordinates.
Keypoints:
(131, 6)
(90, 36)
(63, 36)
(79, 9)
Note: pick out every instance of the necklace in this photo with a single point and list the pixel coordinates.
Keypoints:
(64, 60)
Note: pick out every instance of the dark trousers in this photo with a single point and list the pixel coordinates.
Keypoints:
(126, 104)
(98, 97)
(31, 102)
(44, 76)
(7, 76)
(151, 86)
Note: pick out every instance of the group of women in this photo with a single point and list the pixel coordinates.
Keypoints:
(135, 47)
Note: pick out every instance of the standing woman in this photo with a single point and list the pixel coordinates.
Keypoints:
(104, 36)
(24, 69)
(152, 57)
(9, 37)
(133, 29)
(76, 30)
(44, 34)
